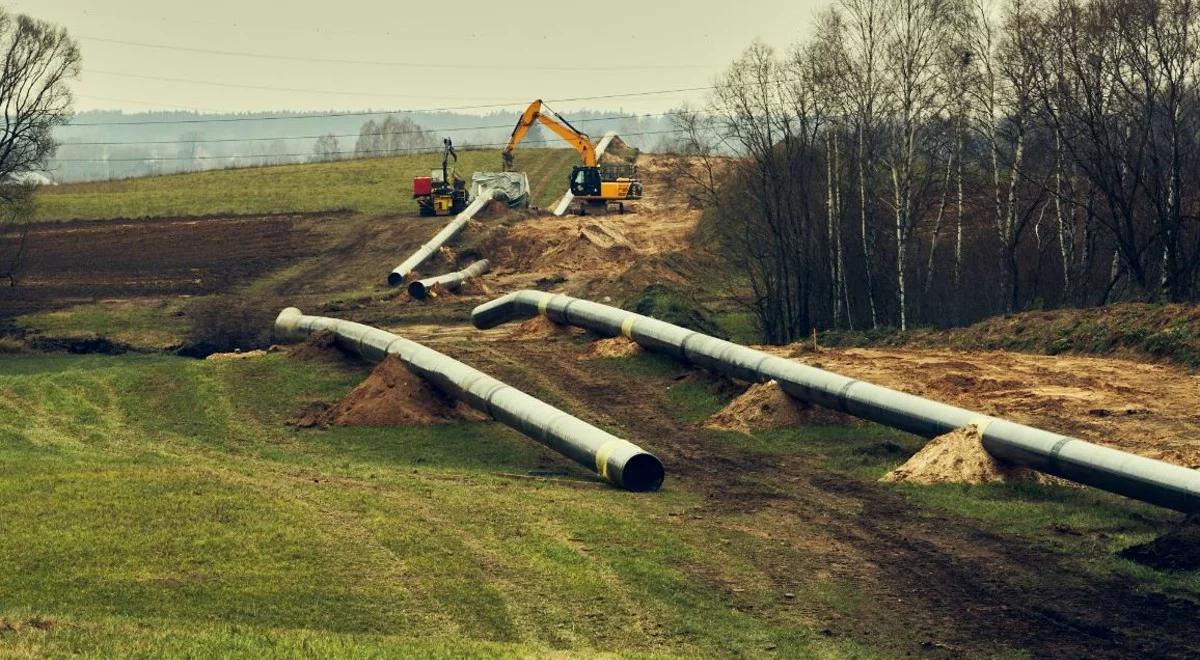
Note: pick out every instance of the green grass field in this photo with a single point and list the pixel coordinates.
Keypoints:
(158, 506)
(372, 186)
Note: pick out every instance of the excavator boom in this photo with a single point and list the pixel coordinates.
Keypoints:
(561, 127)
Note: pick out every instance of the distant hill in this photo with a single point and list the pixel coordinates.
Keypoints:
(96, 146)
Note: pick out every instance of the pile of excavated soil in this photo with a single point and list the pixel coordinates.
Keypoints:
(958, 457)
(318, 346)
(589, 249)
(613, 347)
(1177, 550)
(474, 287)
(566, 245)
(766, 406)
(540, 327)
(391, 396)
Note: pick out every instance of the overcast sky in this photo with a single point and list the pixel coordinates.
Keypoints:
(405, 54)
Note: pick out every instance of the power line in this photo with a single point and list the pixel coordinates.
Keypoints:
(413, 150)
(413, 65)
(213, 83)
(348, 135)
(156, 104)
(369, 113)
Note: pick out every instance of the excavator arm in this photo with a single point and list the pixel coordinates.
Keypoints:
(576, 138)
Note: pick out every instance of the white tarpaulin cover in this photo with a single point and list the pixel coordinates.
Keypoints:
(511, 187)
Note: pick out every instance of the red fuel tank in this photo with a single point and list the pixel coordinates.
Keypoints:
(422, 185)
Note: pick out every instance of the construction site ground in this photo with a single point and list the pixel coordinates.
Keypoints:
(160, 503)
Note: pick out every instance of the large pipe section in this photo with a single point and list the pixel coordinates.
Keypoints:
(401, 272)
(616, 460)
(1116, 471)
(601, 146)
(419, 289)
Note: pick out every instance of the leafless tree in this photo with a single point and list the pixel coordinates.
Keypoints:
(912, 47)
(39, 61)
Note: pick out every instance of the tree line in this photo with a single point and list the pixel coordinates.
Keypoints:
(937, 161)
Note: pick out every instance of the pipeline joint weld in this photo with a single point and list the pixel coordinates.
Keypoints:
(627, 326)
(604, 452)
(841, 396)
(1055, 451)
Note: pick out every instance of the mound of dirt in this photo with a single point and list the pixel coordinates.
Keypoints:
(566, 245)
(958, 457)
(539, 327)
(317, 346)
(766, 406)
(1177, 550)
(391, 396)
(613, 347)
(475, 287)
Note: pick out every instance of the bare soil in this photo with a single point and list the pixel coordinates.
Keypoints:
(235, 356)
(958, 457)
(391, 396)
(765, 406)
(1177, 550)
(1149, 409)
(612, 347)
(540, 327)
(86, 261)
(577, 253)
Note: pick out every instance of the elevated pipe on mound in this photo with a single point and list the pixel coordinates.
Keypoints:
(401, 272)
(617, 461)
(601, 147)
(419, 289)
(1140, 478)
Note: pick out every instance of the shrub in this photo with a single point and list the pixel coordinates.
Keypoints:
(221, 324)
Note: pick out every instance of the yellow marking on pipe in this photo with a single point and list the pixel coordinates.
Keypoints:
(627, 326)
(603, 453)
(544, 302)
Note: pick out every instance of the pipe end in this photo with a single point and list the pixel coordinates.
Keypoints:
(285, 323)
(395, 279)
(417, 290)
(643, 473)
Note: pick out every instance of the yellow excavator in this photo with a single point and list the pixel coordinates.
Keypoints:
(591, 183)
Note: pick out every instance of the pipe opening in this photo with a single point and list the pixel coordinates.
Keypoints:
(642, 473)
(417, 290)
(395, 279)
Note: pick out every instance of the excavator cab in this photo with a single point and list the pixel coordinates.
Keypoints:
(585, 181)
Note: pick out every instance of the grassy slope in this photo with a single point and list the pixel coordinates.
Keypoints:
(160, 506)
(1168, 333)
(157, 505)
(373, 186)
